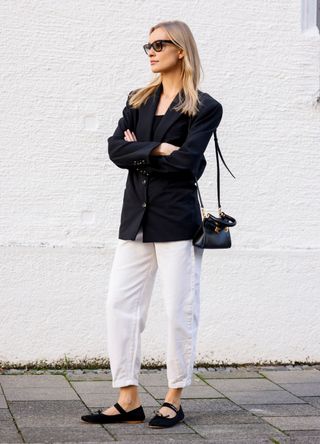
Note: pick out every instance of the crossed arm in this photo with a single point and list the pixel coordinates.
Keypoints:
(163, 149)
(125, 151)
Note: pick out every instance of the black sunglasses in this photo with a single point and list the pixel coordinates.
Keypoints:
(157, 45)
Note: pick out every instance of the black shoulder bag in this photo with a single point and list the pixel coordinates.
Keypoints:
(214, 231)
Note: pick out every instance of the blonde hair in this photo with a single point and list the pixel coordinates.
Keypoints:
(180, 33)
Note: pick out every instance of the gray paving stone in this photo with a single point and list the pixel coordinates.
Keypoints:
(199, 392)
(243, 385)
(78, 442)
(310, 366)
(3, 402)
(303, 389)
(5, 414)
(211, 418)
(86, 441)
(38, 393)
(281, 409)
(278, 368)
(263, 397)
(118, 430)
(222, 374)
(157, 379)
(48, 413)
(294, 422)
(27, 381)
(89, 377)
(55, 421)
(177, 438)
(304, 440)
(304, 436)
(9, 433)
(46, 407)
(255, 440)
(160, 379)
(58, 420)
(218, 406)
(237, 431)
(93, 387)
(282, 440)
(204, 391)
(84, 432)
(313, 400)
(180, 439)
(292, 376)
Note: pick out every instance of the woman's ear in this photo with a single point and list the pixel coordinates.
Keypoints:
(180, 53)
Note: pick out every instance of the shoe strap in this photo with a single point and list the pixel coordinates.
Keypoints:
(168, 404)
(119, 408)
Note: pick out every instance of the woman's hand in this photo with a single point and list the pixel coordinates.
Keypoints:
(169, 148)
(130, 136)
(164, 149)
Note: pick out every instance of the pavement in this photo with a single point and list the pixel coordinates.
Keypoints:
(230, 405)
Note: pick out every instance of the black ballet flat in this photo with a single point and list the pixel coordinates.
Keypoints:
(132, 417)
(161, 421)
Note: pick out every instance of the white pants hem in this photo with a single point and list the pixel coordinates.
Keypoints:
(124, 383)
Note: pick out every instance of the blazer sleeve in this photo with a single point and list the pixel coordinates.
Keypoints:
(128, 154)
(189, 156)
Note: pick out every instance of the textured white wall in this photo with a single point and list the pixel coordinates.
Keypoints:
(66, 69)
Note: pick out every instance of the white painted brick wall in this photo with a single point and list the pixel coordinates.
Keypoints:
(66, 69)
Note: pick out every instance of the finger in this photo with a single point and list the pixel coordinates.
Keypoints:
(128, 136)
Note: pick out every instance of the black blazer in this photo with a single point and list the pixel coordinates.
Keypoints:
(161, 191)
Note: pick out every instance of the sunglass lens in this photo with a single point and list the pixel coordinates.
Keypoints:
(157, 46)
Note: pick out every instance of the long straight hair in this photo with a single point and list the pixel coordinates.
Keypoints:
(180, 33)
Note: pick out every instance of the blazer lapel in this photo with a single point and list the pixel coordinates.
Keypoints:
(148, 110)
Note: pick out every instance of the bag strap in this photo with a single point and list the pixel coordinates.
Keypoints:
(218, 153)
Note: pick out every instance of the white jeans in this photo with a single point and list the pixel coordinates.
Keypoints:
(129, 293)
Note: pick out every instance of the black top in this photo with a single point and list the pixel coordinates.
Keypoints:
(155, 123)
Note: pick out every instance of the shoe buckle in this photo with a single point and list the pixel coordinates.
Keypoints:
(158, 413)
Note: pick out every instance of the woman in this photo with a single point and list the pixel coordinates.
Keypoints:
(160, 140)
